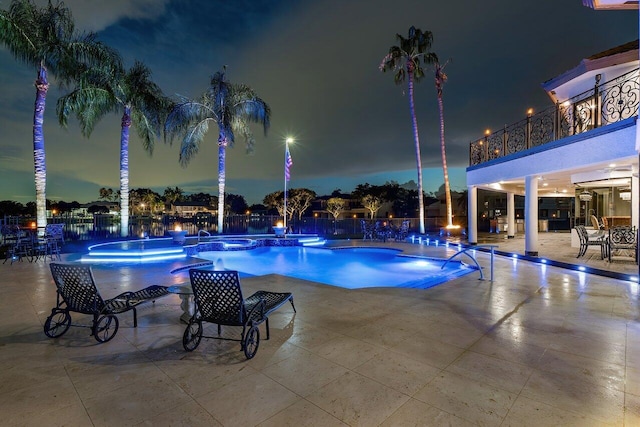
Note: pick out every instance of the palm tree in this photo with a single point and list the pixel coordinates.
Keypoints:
(231, 107)
(406, 62)
(107, 89)
(441, 79)
(172, 195)
(46, 39)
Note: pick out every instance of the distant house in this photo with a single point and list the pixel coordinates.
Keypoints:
(190, 209)
(87, 209)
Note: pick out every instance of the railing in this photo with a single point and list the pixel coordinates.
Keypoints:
(472, 249)
(107, 227)
(607, 103)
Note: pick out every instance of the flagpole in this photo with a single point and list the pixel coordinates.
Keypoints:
(286, 178)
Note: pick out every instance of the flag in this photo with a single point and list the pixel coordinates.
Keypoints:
(287, 166)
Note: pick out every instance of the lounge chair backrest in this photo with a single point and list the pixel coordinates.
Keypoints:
(218, 296)
(622, 235)
(54, 231)
(76, 286)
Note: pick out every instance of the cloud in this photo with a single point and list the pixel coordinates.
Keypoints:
(96, 15)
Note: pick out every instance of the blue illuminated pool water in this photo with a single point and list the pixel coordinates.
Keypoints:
(350, 268)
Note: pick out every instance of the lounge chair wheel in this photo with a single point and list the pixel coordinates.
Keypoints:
(105, 328)
(251, 342)
(57, 323)
(192, 335)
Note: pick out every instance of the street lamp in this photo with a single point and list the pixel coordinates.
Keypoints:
(287, 165)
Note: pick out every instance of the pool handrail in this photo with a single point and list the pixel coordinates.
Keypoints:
(473, 258)
(201, 232)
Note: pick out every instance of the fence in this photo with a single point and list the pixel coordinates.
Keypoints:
(107, 227)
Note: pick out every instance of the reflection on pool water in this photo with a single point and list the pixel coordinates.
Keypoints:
(350, 268)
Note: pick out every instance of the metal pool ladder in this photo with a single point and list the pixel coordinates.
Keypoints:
(203, 232)
(473, 258)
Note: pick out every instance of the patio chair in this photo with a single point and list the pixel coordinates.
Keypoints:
(17, 242)
(218, 299)
(77, 292)
(403, 231)
(380, 231)
(367, 230)
(622, 238)
(586, 240)
(596, 225)
(53, 239)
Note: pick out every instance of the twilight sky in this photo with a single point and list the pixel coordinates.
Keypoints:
(315, 62)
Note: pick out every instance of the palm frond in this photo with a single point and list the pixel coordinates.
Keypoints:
(184, 114)
(192, 139)
(145, 128)
(18, 32)
(89, 104)
(243, 129)
(248, 106)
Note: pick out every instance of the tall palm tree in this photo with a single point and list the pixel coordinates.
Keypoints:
(231, 107)
(406, 62)
(46, 39)
(441, 79)
(107, 89)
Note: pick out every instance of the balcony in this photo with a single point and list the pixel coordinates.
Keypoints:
(606, 103)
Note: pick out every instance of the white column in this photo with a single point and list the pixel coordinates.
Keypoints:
(531, 215)
(472, 215)
(511, 215)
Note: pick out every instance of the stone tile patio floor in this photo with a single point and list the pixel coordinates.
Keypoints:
(538, 346)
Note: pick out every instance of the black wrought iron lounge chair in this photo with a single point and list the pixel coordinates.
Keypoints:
(622, 238)
(77, 292)
(218, 299)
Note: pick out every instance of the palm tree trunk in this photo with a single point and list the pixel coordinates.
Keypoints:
(124, 172)
(447, 188)
(222, 144)
(39, 160)
(414, 123)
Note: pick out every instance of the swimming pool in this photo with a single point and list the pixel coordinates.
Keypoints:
(351, 268)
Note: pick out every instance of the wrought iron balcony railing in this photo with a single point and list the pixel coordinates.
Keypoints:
(606, 103)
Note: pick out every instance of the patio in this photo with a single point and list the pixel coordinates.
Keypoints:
(539, 346)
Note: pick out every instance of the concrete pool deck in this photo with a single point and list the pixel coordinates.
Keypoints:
(539, 345)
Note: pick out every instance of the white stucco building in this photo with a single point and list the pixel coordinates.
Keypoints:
(583, 148)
